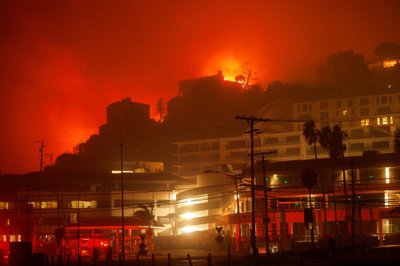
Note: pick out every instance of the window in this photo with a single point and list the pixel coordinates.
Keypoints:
(383, 100)
(383, 110)
(189, 148)
(293, 138)
(364, 101)
(271, 140)
(324, 115)
(365, 122)
(339, 104)
(350, 103)
(380, 145)
(356, 146)
(304, 107)
(293, 151)
(323, 105)
(364, 111)
(344, 112)
(234, 144)
(83, 204)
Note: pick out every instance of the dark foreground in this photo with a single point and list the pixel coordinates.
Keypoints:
(353, 257)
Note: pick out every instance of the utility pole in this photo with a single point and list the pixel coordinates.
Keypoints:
(41, 151)
(238, 237)
(122, 206)
(251, 120)
(78, 233)
(27, 220)
(266, 200)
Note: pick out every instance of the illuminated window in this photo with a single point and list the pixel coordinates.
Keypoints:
(378, 121)
(365, 122)
(391, 120)
(387, 175)
(73, 218)
(344, 112)
(384, 121)
(83, 204)
(4, 205)
(48, 204)
(389, 63)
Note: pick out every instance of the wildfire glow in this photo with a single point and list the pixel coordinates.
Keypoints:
(230, 66)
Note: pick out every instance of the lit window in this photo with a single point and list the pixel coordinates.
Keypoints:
(365, 122)
(378, 121)
(344, 112)
(384, 120)
(387, 175)
(389, 63)
(391, 120)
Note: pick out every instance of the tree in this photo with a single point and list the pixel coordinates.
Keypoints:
(311, 134)
(344, 69)
(144, 215)
(387, 50)
(332, 140)
(396, 141)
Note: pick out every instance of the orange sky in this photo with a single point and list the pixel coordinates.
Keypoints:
(63, 62)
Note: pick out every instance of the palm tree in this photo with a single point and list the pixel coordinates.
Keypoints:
(332, 140)
(396, 141)
(311, 134)
(145, 216)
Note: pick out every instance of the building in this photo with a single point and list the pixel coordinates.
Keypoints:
(86, 209)
(369, 122)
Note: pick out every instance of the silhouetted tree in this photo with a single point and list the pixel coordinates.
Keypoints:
(311, 134)
(387, 50)
(332, 140)
(344, 69)
(396, 141)
(144, 215)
